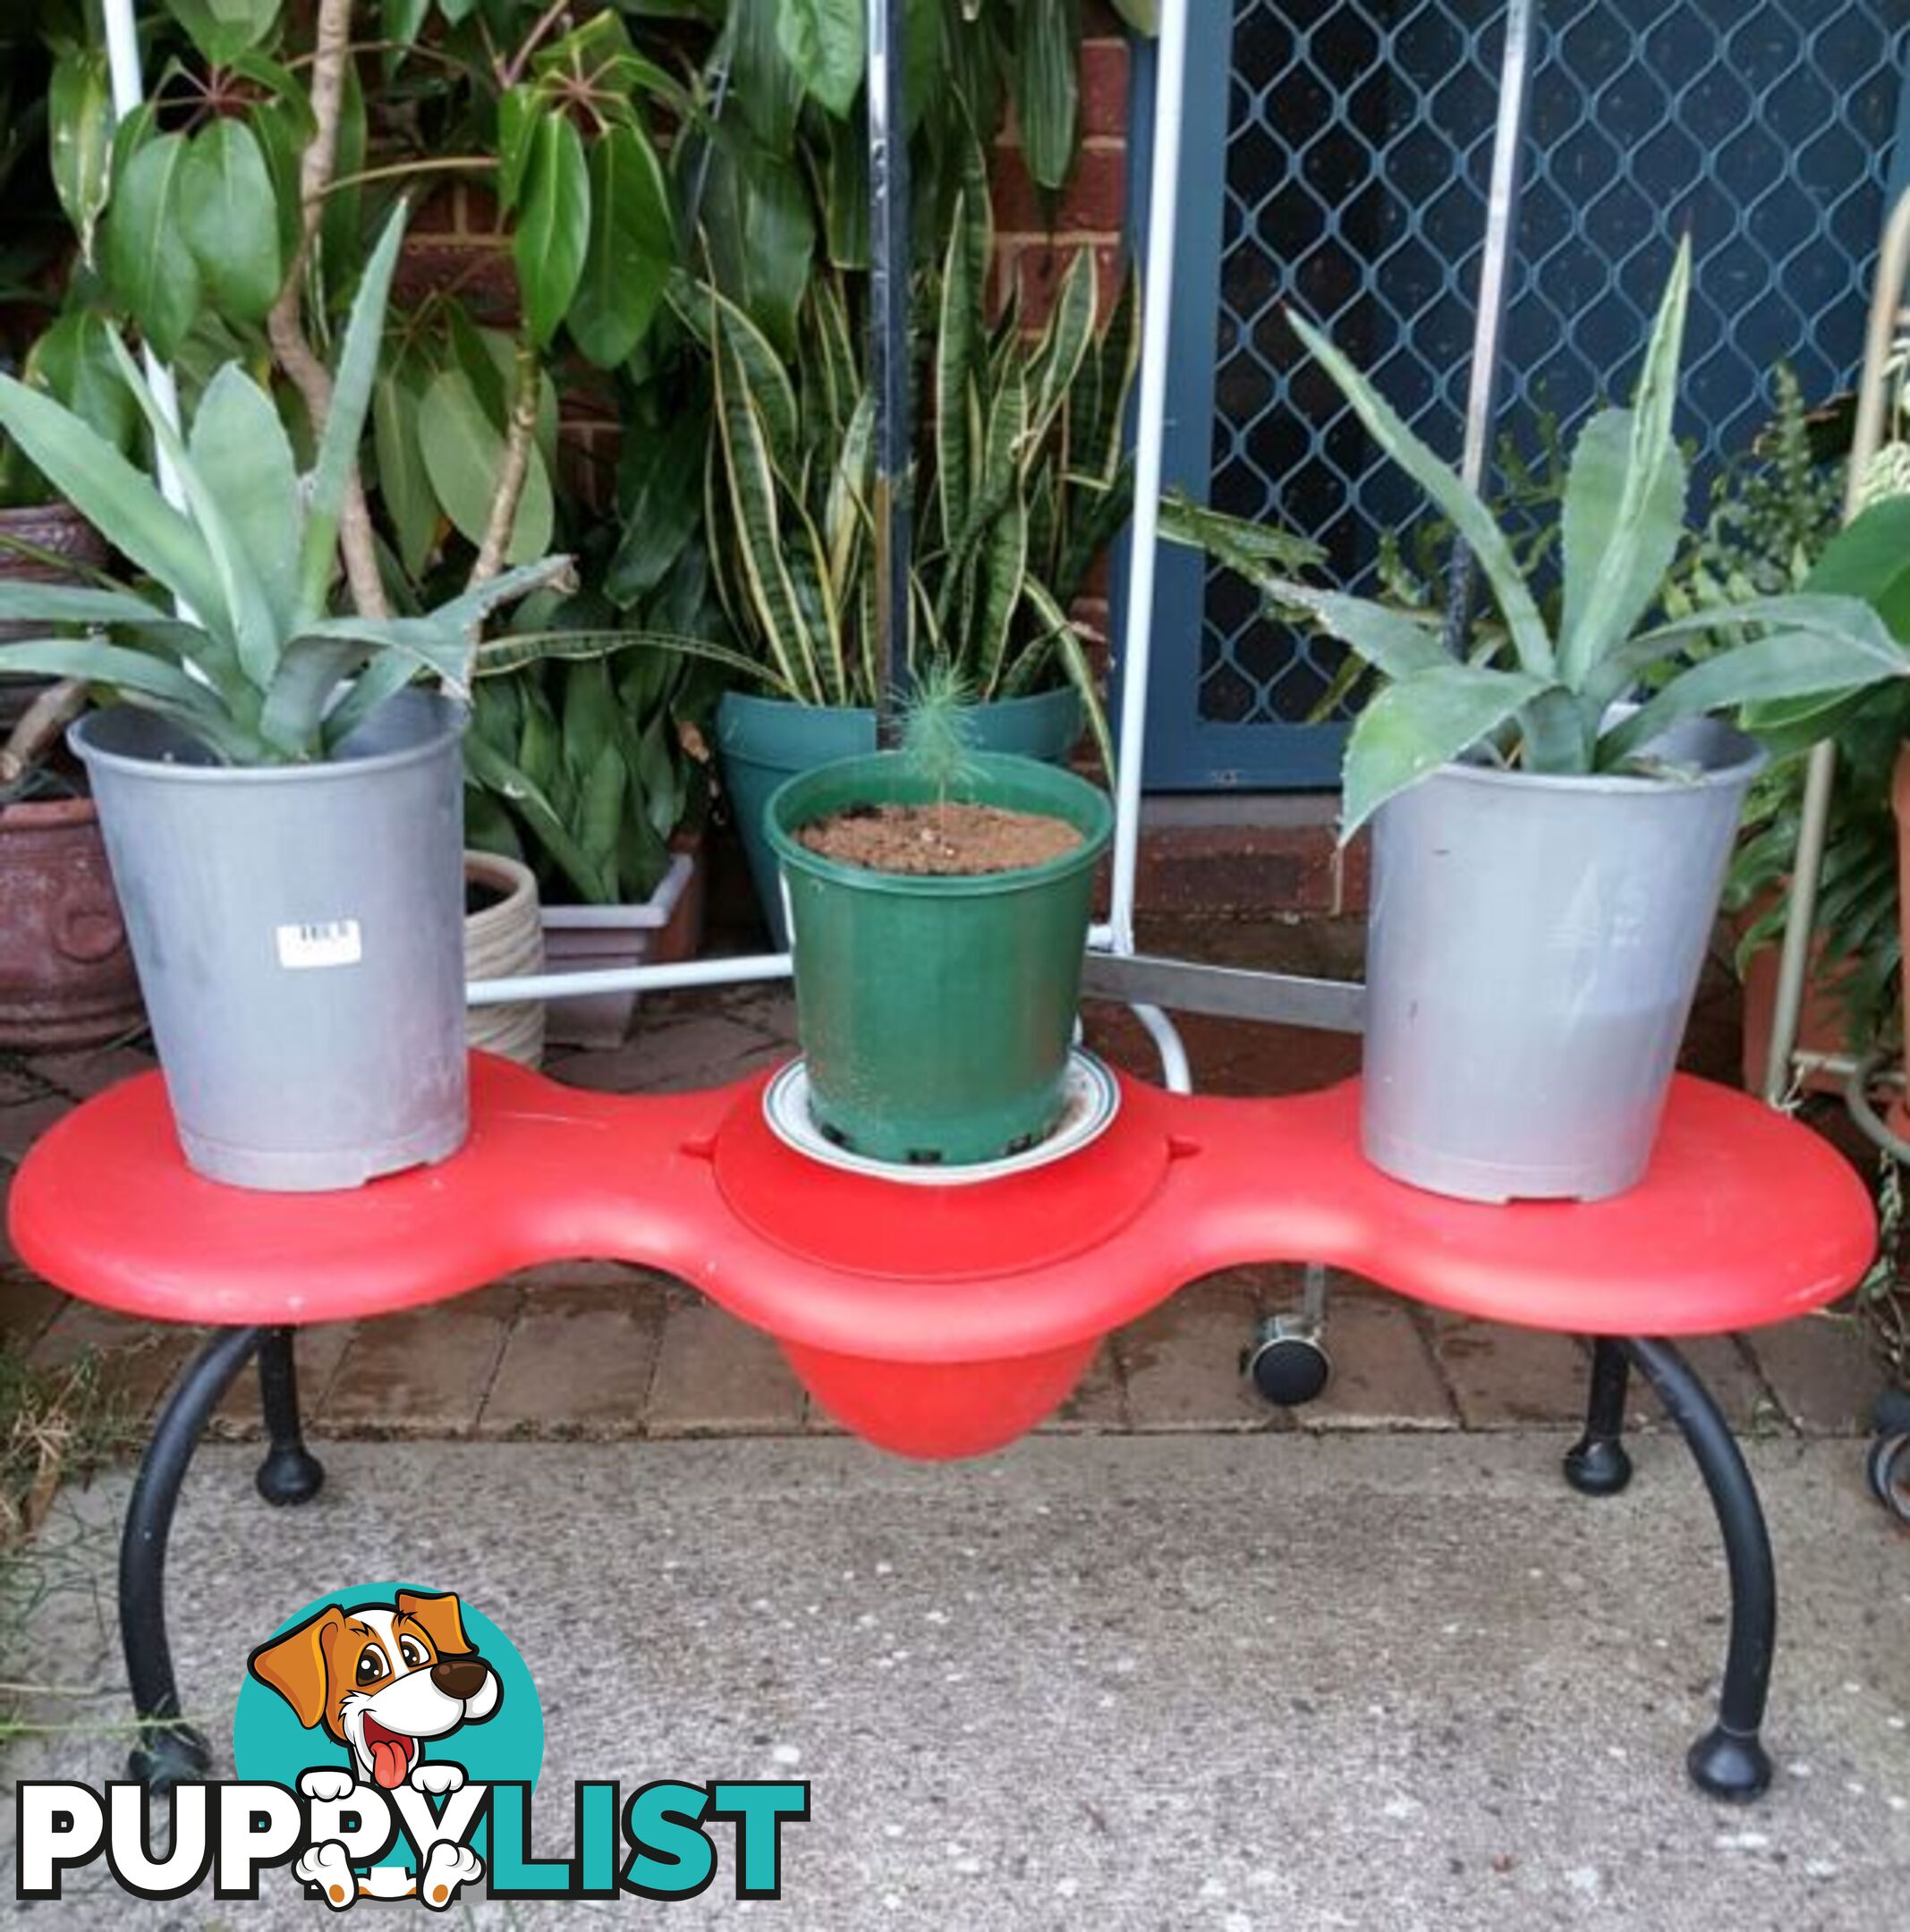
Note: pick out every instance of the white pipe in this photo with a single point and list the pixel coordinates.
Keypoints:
(1157, 304)
(708, 972)
(1176, 1074)
(129, 94)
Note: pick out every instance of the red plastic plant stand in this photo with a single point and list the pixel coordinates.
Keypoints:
(941, 1321)
(946, 1320)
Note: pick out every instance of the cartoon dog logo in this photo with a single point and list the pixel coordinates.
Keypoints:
(384, 1680)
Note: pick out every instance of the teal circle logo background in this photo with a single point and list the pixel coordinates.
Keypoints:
(270, 1745)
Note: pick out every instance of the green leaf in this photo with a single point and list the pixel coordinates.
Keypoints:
(112, 495)
(1462, 507)
(1827, 657)
(150, 268)
(706, 310)
(230, 219)
(750, 480)
(764, 87)
(1636, 536)
(1396, 643)
(664, 507)
(553, 224)
(73, 361)
(1247, 548)
(825, 41)
(402, 484)
(463, 452)
(958, 357)
(100, 663)
(510, 782)
(243, 599)
(240, 447)
(344, 423)
(24, 600)
(1056, 629)
(467, 611)
(518, 120)
(759, 234)
(80, 129)
(1063, 345)
(281, 142)
(631, 252)
(1047, 86)
(223, 29)
(1421, 722)
(600, 814)
(1603, 462)
(501, 657)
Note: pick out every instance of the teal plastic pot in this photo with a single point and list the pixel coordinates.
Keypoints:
(936, 1014)
(762, 741)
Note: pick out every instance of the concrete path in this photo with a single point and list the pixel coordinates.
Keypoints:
(1214, 1682)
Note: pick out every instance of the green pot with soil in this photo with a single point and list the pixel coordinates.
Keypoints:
(938, 931)
(763, 741)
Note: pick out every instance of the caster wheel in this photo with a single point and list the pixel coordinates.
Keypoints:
(1887, 1467)
(1288, 1363)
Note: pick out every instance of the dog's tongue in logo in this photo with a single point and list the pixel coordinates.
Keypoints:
(390, 1754)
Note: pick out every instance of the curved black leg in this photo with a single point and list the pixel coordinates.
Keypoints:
(290, 1472)
(1596, 1465)
(1727, 1761)
(169, 1751)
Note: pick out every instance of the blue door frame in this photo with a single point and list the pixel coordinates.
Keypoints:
(1335, 155)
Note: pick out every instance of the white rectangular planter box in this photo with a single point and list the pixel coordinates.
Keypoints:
(595, 938)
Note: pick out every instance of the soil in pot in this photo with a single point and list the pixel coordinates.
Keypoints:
(941, 841)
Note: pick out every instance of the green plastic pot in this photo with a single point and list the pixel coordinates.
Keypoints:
(762, 741)
(936, 1014)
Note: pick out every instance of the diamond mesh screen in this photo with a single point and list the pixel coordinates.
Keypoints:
(1358, 150)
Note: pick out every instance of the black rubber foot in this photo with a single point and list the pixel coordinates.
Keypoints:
(1598, 1468)
(169, 1755)
(290, 1476)
(1735, 1769)
(1888, 1466)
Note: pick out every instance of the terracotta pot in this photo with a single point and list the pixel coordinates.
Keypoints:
(1821, 1022)
(66, 975)
(504, 940)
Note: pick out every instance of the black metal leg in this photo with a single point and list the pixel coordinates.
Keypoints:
(169, 1751)
(1596, 1465)
(1727, 1761)
(290, 1472)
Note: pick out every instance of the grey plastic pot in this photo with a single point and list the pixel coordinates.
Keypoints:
(1534, 945)
(299, 936)
(761, 741)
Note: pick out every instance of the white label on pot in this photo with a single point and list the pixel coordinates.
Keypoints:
(324, 942)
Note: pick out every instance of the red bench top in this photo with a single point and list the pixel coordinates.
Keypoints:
(1744, 1218)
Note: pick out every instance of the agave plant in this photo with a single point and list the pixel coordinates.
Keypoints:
(1551, 700)
(238, 644)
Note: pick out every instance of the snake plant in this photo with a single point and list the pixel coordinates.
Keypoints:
(237, 644)
(1020, 483)
(1549, 698)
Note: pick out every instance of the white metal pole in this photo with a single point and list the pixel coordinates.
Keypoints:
(129, 93)
(1157, 304)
